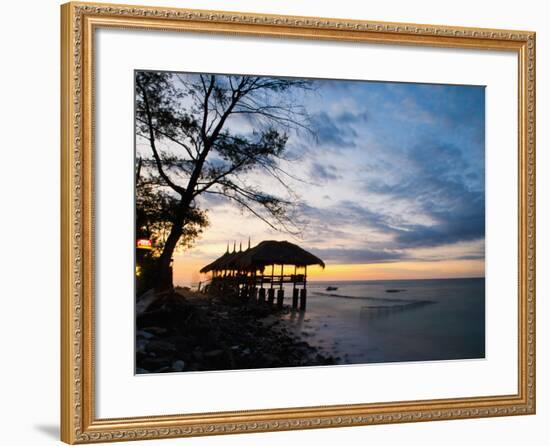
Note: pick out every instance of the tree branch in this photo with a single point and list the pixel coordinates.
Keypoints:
(187, 149)
(158, 160)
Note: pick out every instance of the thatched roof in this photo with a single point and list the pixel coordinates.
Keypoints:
(215, 265)
(225, 262)
(269, 252)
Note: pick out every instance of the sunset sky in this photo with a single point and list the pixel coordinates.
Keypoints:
(391, 187)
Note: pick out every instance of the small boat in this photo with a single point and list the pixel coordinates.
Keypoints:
(332, 288)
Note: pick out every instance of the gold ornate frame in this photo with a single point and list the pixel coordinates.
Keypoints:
(78, 423)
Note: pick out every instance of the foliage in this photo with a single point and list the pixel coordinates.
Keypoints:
(197, 149)
(155, 212)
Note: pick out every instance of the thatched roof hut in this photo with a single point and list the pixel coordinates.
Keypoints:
(272, 252)
(225, 262)
(216, 264)
(242, 272)
(269, 252)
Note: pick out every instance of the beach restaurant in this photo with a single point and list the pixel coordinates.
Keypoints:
(259, 272)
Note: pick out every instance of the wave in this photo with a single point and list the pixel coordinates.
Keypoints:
(376, 299)
(379, 306)
(401, 306)
(373, 312)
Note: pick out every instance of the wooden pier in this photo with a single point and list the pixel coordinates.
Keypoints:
(259, 273)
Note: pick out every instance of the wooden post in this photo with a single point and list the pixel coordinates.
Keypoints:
(270, 296)
(295, 292)
(303, 296)
(261, 296)
(303, 292)
(282, 272)
(254, 287)
(280, 298)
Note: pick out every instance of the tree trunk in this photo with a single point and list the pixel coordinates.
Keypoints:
(165, 281)
(164, 272)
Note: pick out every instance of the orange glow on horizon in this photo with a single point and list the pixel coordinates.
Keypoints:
(186, 270)
(443, 269)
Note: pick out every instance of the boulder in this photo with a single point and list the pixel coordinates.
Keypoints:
(159, 346)
(144, 334)
(178, 366)
(144, 301)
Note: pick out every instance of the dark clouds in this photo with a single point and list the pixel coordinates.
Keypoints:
(337, 131)
(333, 219)
(395, 172)
(342, 255)
(438, 186)
(323, 173)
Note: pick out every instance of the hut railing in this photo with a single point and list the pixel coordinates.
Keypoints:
(263, 279)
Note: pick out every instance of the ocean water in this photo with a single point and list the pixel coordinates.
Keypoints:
(394, 321)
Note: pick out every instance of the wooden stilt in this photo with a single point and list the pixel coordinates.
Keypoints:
(295, 293)
(280, 298)
(303, 297)
(261, 295)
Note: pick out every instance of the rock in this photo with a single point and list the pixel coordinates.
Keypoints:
(144, 301)
(198, 355)
(213, 353)
(141, 346)
(140, 356)
(149, 363)
(270, 358)
(160, 346)
(178, 366)
(157, 331)
(144, 334)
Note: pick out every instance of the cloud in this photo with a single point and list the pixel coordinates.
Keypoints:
(439, 189)
(323, 172)
(337, 130)
(344, 218)
(395, 172)
(336, 255)
(329, 132)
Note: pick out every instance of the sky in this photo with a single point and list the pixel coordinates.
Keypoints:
(390, 186)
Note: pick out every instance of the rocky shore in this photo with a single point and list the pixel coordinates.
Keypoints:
(185, 331)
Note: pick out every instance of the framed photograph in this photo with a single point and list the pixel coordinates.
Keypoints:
(276, 223)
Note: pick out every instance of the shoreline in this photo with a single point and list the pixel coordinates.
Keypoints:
(184, 330)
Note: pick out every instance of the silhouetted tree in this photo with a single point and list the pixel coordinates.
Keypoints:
(193, 115)
(155, 212)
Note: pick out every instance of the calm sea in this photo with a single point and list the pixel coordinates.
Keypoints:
(397, 320)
